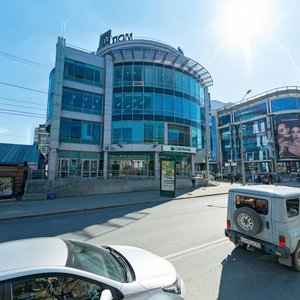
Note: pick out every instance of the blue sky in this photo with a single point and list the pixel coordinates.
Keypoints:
(244, 44)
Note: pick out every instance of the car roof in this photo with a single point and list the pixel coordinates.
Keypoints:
(269, 190)
(32, 253)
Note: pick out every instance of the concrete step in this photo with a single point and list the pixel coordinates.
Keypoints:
(34, 197)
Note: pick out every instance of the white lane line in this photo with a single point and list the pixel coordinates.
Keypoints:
(197, 248)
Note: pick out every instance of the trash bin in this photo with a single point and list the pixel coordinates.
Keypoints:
(51, 196)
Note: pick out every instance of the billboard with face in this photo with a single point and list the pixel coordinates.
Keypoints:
(287, 133)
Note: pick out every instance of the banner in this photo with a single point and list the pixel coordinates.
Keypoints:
(287, 132)
(6, 186)
(168, 182)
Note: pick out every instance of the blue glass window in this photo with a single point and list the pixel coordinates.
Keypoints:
(149, 75)
(159, 132)
(285, 104)
(159, 104)
(75, 129)
(223, 120)
(67, 99)
(178, 107)
(148, 104)
(169, 105)
(186, 83)
(81, 72)
(118, 76)
(89, 73)
(77, 100)
(138, 132)
(87, 102)
(65, 127)
(149, 132)
(127, 104)
(250, 112)
(178, 81)
(127, 75)
(69, 68)
(186, 109)
(137, 73)
(138, 103)
(97, 104)
(74, 100)
(169, 80)
(117, 104)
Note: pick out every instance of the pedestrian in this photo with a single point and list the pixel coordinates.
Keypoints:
(193, 180)
(231, 178)
(270, 178)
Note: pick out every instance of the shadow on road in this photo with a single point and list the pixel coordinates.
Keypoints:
(255, 275)
(82, 223)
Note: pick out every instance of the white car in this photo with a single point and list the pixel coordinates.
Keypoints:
(62, 269)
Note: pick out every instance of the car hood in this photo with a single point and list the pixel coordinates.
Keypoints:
(151, 271)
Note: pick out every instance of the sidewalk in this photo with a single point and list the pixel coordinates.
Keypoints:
(12, 210)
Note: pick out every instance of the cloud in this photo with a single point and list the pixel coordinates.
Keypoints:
(4, 130)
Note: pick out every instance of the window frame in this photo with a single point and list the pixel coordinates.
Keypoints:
(8, 284)
(255, 199)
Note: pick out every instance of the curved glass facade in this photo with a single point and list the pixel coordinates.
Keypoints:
(147, 95)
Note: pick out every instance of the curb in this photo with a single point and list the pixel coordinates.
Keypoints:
(74, 211)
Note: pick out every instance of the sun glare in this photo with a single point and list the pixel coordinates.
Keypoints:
(241, 22)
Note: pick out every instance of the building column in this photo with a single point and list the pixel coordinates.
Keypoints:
(156, 165)
(105, 164)
(56, 108)
(193, 164)
(107, 115)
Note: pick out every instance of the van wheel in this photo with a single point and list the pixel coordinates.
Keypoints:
(248, 221)
(296, 259)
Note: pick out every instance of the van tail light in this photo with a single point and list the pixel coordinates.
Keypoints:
(281, 241)
(228, 224)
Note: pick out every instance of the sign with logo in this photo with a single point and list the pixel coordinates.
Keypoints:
(106, 38)
(179, 149)
(167, 178)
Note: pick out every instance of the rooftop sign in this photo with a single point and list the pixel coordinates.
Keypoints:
(106, 38)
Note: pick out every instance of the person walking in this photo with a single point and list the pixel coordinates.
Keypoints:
(193, 180)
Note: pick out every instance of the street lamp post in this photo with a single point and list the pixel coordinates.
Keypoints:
(242, 146)
(242, 156)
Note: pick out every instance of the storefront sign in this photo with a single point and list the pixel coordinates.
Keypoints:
(107, 39)
(167, 178)
(179, 149)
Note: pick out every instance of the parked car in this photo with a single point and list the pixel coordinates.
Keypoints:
(267, 218)
(55, 268)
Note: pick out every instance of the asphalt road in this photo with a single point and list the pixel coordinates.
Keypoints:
(189, 233)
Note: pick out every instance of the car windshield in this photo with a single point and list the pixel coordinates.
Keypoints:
(96, 260)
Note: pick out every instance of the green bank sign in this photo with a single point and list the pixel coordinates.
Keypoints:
(179, 149)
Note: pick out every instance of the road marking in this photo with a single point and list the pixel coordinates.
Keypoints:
(197, 248)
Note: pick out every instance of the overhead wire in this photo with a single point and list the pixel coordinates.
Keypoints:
(25, 61)
(21, 101)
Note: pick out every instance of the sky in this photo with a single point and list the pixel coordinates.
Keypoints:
(243, 44)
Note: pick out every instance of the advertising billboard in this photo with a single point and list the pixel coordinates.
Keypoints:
(287, 133)
(6, 186)
(167, 178)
